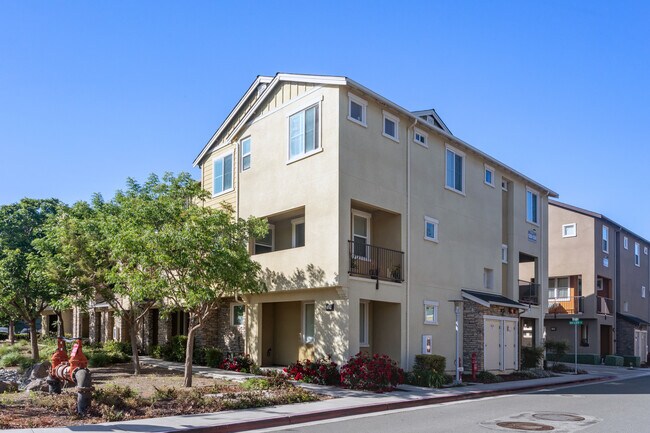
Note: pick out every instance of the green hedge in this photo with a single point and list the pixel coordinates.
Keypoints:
(435, 363)
(583, 358)
(634, 361)
(613, 360)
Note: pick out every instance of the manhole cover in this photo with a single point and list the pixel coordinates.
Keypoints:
(526, 426)
(558, 417)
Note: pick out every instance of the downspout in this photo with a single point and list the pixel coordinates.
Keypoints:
(408, 242)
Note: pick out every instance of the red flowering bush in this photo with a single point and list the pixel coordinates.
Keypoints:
(371, 372)
(321, 372)
(242, 363)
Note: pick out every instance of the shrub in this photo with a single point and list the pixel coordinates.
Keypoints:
(242, 363)
(213, 357)
(99, 359)
(371, 372)
(557, 348)
(558, 367)
(321, 372)
(531, 357)
(15, 359)
(435, 363)
(9, 349)
(426, 378)
(487, 377)
(256, 383)
(113, 346)
(533, 373)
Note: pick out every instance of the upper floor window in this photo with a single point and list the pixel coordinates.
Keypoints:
(420, 137)
(637, 254)
(488, 278)
(391, 126)
(303, 132)
(569, 230)
(504, 184)
(357, 109)
(625, 242)
(643, 291)
(361, 233)
(455, 169)
(645, 250)
(298, 232)
(532, 206)
(504, 253)
(558, 288)
(605, 239)
(488, 177)
(246, 153)
(222, 174)
(267, 243)
(430, 229)
(431, 312)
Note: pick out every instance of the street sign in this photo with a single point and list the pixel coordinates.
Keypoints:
(575, 322)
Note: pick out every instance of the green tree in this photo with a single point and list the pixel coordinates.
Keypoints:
(25, 286)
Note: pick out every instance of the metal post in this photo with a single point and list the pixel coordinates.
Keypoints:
(575, 346)
(457, 308)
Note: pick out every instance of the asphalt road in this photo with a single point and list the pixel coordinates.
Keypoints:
(619, 406)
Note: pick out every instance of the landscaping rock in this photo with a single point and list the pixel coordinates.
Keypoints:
(37, 385)
(39, 371)
(8, 387)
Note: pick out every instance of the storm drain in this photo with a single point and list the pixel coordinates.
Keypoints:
(525, 426)
(552, 416)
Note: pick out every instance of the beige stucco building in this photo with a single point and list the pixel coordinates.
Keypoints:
(379, 219)
(599, 273)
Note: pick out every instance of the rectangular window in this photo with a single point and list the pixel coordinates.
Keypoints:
(504, 184)
(600, 284)
(430, 229)
(357, 110)
(643, 291)
(605, 239)
(455, 169)
(267, 243)
(298, 232)
(584, 335)
(558, 289)
(569, 230)
(237, 314)
(363, 323)
(532, 206)
(625, 243)
(420, 138)
(308, 312)
(488, 278)
(645, 250)
(430, 313)
(361, 234)
(488, 178)
(303, 132)
(246, 153)
(391, 126)
(222, 174)
(626, 307)
(637, 254)
(504, 253)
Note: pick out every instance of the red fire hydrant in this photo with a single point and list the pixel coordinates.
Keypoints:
(474, 366)
(71, 370)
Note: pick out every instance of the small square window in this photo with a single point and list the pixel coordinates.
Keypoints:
(489, 176)
(569, 230)
(237, 314)
(391, 126)
(488, 278)
(430, 229)
(357, 110)
(430, 312)
(420, 138)
(625, 242)
(504, 253)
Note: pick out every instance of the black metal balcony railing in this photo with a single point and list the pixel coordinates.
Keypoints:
(605, 306)
(374, 262)
(570, 305)
(528, 293)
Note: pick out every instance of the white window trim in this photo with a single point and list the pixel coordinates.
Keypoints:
(435, 222)
(528, 189)
(504, 184)
(272, 231)
(294, 223)
(637, 254)
(392, 118)
(643, 291)
(488, 278)
(241, 151)
(232, 313)
(625, 242)
(461, 154)
(626, 307)
(504, 253)
(304, 316)
(604, 230)
(364, 110)
(368, 218)
(645, 250)
(223, 155)
(555, 290)
(435, 305)
(601, 287)
(424, 135)
(304, 107)
(491, 170)
(364, 340)
(575, 230)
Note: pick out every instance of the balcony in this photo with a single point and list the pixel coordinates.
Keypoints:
(369, 261)
(528, 293)
(605, 306)
(571, 305)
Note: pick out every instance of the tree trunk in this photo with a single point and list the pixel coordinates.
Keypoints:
(12, 336)
(133, 336)
(33, 339)
(59, 326)
(189, 354)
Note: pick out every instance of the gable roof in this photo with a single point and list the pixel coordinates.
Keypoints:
(491, 299)
(632, 319)
(436, 118)
(344, 81)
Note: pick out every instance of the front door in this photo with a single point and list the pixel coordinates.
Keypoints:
(492, 345)
(509, 345)
(605, 340)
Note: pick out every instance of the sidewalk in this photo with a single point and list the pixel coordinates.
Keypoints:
(344, 403)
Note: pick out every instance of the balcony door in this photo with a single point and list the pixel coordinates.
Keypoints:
(361, 234)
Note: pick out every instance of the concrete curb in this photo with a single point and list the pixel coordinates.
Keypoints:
(285, 420)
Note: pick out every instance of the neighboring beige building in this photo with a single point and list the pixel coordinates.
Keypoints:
(599, 273)
(380, 218)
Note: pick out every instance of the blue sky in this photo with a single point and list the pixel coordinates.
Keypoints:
(94, 92)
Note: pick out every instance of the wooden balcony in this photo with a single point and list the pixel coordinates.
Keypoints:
(572, 305)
